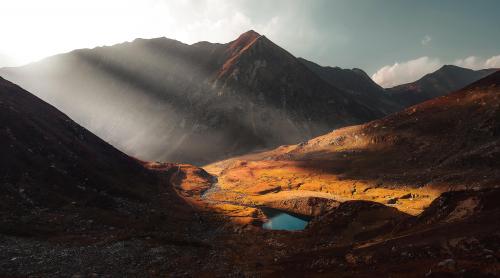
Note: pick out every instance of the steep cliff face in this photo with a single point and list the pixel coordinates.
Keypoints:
(208, 101)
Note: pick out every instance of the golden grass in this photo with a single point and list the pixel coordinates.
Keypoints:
(252, 179)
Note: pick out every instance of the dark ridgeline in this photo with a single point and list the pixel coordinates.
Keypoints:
(439, 83)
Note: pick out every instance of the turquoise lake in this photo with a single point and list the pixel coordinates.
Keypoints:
(279, 220)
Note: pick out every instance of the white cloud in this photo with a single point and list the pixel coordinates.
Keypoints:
(475, 63)
(426, 40)
(400, 73)
(471, 62)
(493, 62)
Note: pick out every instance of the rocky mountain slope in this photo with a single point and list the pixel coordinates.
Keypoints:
(439, 83)
(355, 81)
(160, 99)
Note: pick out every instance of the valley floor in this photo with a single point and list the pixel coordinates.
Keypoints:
(358, 230)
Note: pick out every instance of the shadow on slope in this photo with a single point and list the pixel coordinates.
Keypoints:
(58, 179)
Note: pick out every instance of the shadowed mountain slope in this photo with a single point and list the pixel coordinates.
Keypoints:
(208, 101)
(358, 83)
(355, 81)
(55, 175)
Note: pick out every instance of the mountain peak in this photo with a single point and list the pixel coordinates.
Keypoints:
(244, 40)
(250, 34)
(451, 67)
(238, 46)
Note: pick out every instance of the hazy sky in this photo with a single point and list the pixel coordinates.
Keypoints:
(395, 41)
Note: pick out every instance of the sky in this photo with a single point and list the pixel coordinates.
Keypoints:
(394, 41)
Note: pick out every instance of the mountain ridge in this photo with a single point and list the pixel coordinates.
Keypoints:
(209, 100)
(220, 99)
(358, 83)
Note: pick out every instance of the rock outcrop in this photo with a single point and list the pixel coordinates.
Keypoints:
(307, 206)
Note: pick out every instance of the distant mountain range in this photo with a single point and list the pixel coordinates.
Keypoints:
(441, 82)
(357, 83)
(160, 99)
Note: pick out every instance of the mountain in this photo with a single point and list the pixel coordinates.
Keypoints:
(57, 178)
(355, 81)
(211, 101)
(160, 99)
(358, 83)
(441, 82)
